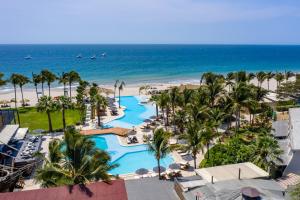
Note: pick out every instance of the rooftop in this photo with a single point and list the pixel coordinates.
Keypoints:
(231, 190)
(149, 189)
(230, 172)
(295, 127)
(94, 191)
(280, 128)
(7, 133)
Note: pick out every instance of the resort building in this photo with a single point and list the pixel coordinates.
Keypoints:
(287, 133)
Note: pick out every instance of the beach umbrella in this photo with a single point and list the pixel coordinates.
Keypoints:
(142, 171)
(250, 192)
(174, 166)
(147, 120)
(153, 117)
(162, 169)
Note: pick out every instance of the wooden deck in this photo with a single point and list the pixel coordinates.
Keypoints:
(117, 131)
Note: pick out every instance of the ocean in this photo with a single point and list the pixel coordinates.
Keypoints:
(147, 63)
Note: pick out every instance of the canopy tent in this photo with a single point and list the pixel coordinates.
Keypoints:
(21, 133)
(7, 133)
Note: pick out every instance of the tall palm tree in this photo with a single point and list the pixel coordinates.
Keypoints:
(14, 80)
(193, 137)
(163, 102)
(269, 76)
(240, 96)
(101, 103)
(160, 146)
(63, 79)
(64, 103)
(261, 77)
(288, 74)
(174, 101)
(2, 82)
(186, 97)
(43, 80)
(121, 87)
(46, 104)
(49, 78)
(229, 80)
(279, 77)
(74, 160)
(36, 79)
(250, 76)
(93, 93)
(73, 77)
(215, 89)
(23, 80)
(115, 87)
(154, 99)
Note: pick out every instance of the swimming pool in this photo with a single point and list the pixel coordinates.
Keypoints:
(135, 113)
(129, 158)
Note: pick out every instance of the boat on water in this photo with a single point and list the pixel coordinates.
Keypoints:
(28, 57)
(79, 56)
(93, 57)
(103, 54)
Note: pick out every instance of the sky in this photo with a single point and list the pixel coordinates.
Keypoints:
(150, 21)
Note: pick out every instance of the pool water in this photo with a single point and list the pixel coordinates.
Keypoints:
(135, 113)
(129, 158)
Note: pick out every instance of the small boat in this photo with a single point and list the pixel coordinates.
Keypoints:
(28, 57)
(79, 56)
(93, 57)
(103, 54)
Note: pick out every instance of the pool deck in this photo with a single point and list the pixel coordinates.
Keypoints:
(117, 131)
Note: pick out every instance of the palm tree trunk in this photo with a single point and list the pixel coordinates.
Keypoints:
(195, 161)
(119, 98)
(70, 89)
(49, 89)
(16, 107)
(268, 84)
(23, 102)
(167, 115)
(98, 115)
(36, 91)
(158, 164)
(49, 122)
(156, 107)
(207, 146)
(64, 117)
(43, 88)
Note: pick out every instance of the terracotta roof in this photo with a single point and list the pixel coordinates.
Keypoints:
(95, 191)
(117, 131)
(288, 180)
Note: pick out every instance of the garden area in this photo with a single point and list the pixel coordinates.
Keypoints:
(32, 119)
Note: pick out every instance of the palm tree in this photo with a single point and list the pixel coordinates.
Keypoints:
(215, 89)
(121, 87)
(186, 97)
(229, 80)
(174, 101)
(63, 79)
(36, 79)
(46, 104)
(49, 77)
(160, 146)
(239, 96)
(269, 76)
(21, 81)
(250, 76)
(101, 103)
(261, 77)
(43, 80)
(279, 77)
(193, 137)
(64, 103)
(14, 80)
(74, 160)
(163, 102)
(287, 75)
(2, 82)
(93, 93)
(154, 99)
(267, 152)
(72, 78)
(115, 87)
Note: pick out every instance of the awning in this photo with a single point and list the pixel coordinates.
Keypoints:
(21, 133)
(7, 133)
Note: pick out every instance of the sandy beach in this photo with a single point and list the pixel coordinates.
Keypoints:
(30, 94)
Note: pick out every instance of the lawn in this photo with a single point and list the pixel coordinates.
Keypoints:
(32, 119)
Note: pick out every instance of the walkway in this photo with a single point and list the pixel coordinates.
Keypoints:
(117, 131)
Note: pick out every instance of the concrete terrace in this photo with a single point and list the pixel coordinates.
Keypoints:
(117, 131)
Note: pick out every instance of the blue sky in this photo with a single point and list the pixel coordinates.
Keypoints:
(150, 21)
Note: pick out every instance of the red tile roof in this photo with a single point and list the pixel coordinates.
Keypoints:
(96, 191)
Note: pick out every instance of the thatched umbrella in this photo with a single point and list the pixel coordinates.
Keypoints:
(250, 192)
(142, 171)
(174, 166)
(162, 169)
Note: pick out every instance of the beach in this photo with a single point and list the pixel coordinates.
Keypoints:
(129, 90)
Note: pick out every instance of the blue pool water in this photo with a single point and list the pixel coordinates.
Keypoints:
(135, 113)
(129, 158)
